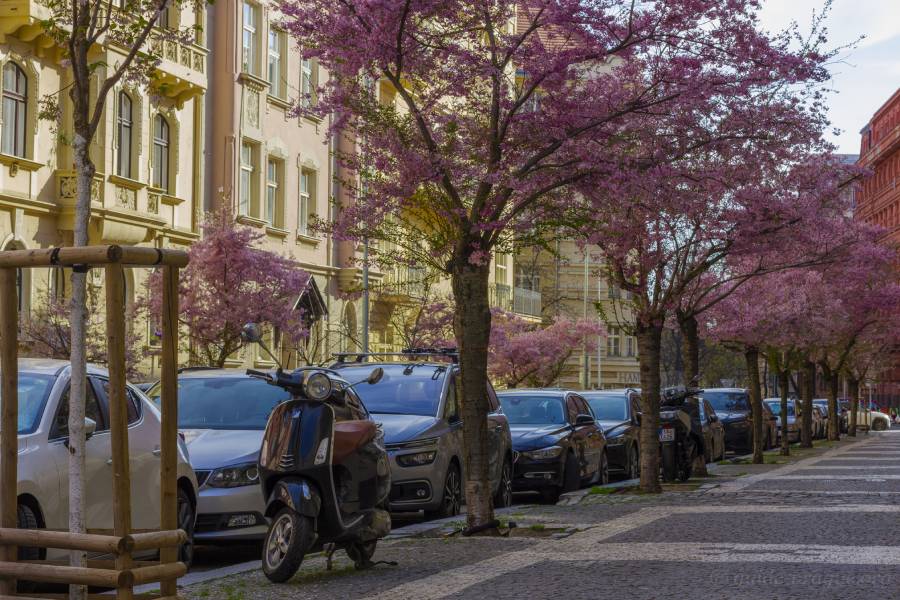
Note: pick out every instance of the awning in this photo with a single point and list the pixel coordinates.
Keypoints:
(311, 303)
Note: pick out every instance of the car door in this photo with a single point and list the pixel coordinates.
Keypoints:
(717, 430)
(97, 474)
(707, 432)
(453, 419)
(144, 449)
(594, 442)
(578, 435)
(497, 430)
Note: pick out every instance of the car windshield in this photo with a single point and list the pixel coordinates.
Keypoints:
(525, 409)
(235, 403)
(608, 407)
(776, 408)
(33, 391)
(405, 389)
(727, 401)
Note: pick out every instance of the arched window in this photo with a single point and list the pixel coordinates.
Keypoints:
(15, 100)
(123, 160)
(160, 153)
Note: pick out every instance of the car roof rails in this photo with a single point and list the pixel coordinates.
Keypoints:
(344, 358)
(200, 368)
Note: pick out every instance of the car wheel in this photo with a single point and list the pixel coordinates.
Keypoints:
(186, 521)
(27, 519)
(289, 538)
(604, 469)
(571, 474)
(634, 463)
(503, 497)
(879, 425)
(451, 495)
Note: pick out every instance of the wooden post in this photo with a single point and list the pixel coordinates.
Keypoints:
(118, 416)
(9, 414)
(169, 410)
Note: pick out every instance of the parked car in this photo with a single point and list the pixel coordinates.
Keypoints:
(732, 405)
(43, 471)
(417, 404)
(820, 423)
(222, 414)
(618, 414)
(793, 424)
(713, 432)
(877, 420)
(822, 404)
(559, 445)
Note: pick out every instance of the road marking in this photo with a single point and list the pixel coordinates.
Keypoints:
(860, 458)
(838, 477)
(850, 467)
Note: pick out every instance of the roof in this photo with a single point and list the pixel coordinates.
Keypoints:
(204, 372)
(540, 391)
(52, 366)
(740, 390)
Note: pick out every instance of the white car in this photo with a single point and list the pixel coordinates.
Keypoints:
(43, 482)
(878, 420)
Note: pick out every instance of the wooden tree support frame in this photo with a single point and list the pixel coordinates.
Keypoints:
(121, 573)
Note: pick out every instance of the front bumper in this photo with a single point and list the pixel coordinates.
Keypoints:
(230, 514)
(416, 488)
(530, 474)
(738, 435)
(617, 454)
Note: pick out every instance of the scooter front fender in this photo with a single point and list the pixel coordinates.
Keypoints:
(298, 494)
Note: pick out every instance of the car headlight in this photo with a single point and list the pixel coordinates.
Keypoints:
(416, 460)
(317, 386)
(236, 476)
(615, 438)
(543, 453)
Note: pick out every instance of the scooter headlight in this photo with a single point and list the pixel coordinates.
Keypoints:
(318, 386)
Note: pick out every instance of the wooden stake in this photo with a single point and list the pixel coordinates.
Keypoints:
(169, 410)
(118, 417)
(9, 414)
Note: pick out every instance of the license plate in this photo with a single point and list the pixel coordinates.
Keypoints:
(667, 435)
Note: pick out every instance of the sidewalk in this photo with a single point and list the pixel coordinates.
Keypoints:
(684, 542)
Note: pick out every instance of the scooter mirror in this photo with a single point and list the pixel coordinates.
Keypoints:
(251, 333)
(375, 376)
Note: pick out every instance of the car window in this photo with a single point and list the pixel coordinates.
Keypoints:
(571, 409)
(227, 403)
(493, 402)
(357, 409)
(608, 407)
(451, 409)
(583, 408)
(405, 389)
(702, 409)
(132, 404)
(710, 411)
(60, 428)
(527, 409)
(727, 401)
(34, 389)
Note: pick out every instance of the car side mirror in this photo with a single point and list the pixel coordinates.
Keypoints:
(637, 418)
(584, 420)
(713, 418)
(90, 427)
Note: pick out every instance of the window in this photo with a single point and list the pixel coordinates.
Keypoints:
(123, 159)
(132, 401)
(571, 409)
(60, 427)
(15, 99)
(613, 347)
(500, 263)
(248, 169)
(308, 82)
(276, 65)
(160, 158)
(273, 192)
(307, 187)
(250, 41)
(615, 293)
(163, 20)
(629, 345)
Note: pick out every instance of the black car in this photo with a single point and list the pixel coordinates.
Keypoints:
(559, 446)
(713, 432)
(822, 404)
(732, 405)
(617, 412)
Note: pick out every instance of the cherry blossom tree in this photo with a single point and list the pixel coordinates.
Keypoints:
(469, 121)
(229, 282)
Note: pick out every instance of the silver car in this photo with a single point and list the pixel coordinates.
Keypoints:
(43, 456)
(417, 404)
(222, 414)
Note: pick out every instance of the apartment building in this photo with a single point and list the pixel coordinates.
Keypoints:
(149, 184)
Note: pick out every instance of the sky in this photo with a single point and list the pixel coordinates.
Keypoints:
(863, 77)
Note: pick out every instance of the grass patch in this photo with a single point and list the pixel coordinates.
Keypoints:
(322, 574)
(598, 490)
(537, 527)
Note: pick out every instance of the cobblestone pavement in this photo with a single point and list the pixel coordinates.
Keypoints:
(825, 526)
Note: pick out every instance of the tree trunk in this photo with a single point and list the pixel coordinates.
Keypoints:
(649, 338)
(690, 348)
(783, 378)
(751, 354)
(854, 405)
(809, 389)
(834, 429)
(85, 170)
(472, 325)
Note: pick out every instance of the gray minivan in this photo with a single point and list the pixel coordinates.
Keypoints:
(417, 404)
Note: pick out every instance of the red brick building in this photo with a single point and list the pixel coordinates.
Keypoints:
(878, 201)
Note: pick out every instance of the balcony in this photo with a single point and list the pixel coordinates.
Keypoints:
(402, 284)
(181, 72)
(526, 302)
(501, 296)
(22, 19)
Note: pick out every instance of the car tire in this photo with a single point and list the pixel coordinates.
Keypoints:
(187, 518)
(571, 474)
(289, 538)
(27, 519)
(879, 425)
(634, 464)
(604, 469)
(503, 497)
(451, 495)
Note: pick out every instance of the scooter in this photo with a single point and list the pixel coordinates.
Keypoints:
(680, 432)
(323, 469)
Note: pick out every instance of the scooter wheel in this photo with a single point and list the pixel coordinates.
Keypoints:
(289, 538)
(361, 553)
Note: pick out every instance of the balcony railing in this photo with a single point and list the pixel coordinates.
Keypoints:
(501, 296)
(403, 282)
(527, 302)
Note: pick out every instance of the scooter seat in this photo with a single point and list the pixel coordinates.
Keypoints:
(349, 436)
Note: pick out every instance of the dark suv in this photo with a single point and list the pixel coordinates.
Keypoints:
(417, 404)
